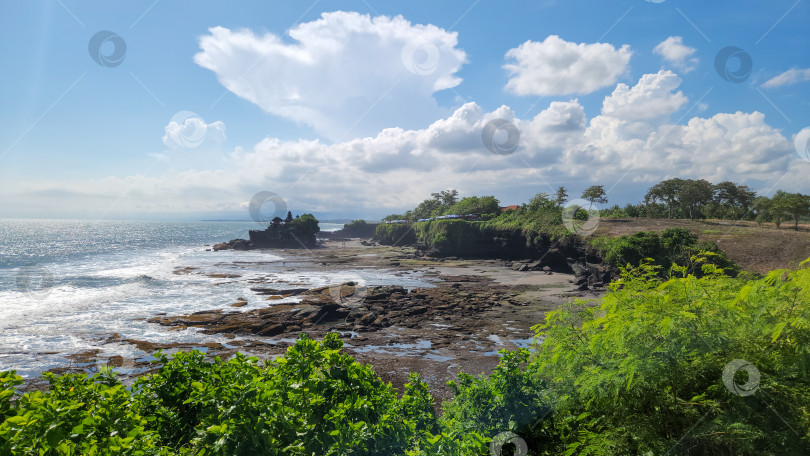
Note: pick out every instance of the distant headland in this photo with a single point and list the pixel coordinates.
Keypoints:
(288, 233)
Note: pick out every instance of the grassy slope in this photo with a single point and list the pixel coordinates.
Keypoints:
(753, 248)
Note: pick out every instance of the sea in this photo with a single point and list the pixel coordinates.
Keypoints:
(66, 286)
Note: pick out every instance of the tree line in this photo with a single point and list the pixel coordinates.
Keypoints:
(672, 198)
(700, 199)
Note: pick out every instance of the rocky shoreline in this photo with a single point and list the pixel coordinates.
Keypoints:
(474, 309)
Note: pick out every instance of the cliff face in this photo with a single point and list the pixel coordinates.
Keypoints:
(474, 240)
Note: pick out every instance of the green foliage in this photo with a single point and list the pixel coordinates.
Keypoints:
(306, 225)
(673, 246)
(358, 228)
(785, 206)
(642, 373)
(485, 206)
(355, 224)
(313, 400)
(513, 398)
(77, 415)
(595, 194)
(395, 234)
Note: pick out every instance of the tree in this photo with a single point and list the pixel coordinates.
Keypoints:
(426, 209)
(731, 201)
(666, 191)
(595, 194)
(762, 210)
(438, 203)
(486, 205)
(447, 198)
(791, 205)
(560, 196)
(540, 202)
(305, 225)
(694, 195)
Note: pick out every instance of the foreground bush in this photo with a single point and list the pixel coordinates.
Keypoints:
(312, 401)
(643, 373)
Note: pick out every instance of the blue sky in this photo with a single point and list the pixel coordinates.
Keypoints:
(346, 110)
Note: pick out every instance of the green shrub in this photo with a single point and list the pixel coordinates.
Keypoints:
(77, 415)
(673, 246)
(395, 234)
(643, 371)
(312, 400)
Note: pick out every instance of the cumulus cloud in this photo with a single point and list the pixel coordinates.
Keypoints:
(789, 77)
(188, 130)
(345, 74)
(558, 67)
(676, 53)
(633, 141)
(653, 96)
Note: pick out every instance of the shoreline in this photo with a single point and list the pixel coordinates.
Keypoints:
(474, 309)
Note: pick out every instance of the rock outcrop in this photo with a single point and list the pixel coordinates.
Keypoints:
(350, 307)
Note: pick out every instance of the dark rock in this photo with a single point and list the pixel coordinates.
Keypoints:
(272, 329)
(278, 291)
(234, 244)
(367, 319)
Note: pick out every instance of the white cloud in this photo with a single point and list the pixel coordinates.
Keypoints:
(559, 67)
(653, 96)
(346, 74)
(675, 52)
(632, 141)
(187, 130)
(791, 76)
